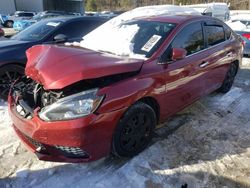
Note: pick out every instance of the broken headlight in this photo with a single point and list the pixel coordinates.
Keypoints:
(72, 107)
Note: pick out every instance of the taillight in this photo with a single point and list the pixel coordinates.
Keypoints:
(246, 35)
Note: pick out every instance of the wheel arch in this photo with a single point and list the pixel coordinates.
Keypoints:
(153, 103)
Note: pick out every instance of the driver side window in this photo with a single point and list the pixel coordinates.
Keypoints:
(190, 38)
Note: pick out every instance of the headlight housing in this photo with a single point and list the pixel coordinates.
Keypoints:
(72, 107)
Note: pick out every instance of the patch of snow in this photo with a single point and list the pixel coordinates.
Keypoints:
(245, 17)
(22, 173)
(117, 39)
(236, 26)
(230, 97)
(51, 172)
(246, 63)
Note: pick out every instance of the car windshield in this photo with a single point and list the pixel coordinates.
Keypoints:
(134, 39)
(37, 31)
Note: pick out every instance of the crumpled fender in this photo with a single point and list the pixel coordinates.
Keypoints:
(56, 67)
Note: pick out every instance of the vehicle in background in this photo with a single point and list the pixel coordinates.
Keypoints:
(245, 37)
(51, 31)
(132, 73)
(20, 25)
(243, 18)
(240, 24)
(217, 10)
(106, 14)
(19, 15)
(23, 14)
(4, 20)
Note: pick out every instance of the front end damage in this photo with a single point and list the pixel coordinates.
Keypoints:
(84, 138)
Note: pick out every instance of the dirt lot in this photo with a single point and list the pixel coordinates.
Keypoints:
(206, 145)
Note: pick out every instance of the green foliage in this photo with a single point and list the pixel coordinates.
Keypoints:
(90, 5)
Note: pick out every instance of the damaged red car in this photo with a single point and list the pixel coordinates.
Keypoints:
(107, 95)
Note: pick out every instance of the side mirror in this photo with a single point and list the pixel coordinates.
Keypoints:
(178, 54)
(60, 38)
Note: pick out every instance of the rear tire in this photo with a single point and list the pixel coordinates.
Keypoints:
(9, 74)
(134, 130)
(229, 79)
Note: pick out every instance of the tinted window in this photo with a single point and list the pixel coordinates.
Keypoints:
(215, 35)
(190, 38)
(37, 31)
(228, 32)
(77, 29)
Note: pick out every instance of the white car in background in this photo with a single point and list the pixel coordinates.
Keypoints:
(217, 10)
(240, 24)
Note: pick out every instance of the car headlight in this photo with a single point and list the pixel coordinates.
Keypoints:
(72, 107)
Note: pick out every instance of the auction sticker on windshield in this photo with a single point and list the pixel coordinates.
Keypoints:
(54, 24)
(151, 43)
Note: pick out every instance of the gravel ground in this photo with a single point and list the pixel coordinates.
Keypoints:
(206, 145)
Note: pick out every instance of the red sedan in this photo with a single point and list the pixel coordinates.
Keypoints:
(82, 103)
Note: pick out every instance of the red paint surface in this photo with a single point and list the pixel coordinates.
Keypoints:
(173, 86)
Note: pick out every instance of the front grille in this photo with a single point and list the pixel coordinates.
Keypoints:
(35, 143)
(72, 152)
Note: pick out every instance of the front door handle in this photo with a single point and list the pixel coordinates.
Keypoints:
(204, 64)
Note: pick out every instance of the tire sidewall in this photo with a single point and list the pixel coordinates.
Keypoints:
(12, 68)
(224, 88)
(138, 107)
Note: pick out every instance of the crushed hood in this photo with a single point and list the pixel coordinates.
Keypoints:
(56, 67)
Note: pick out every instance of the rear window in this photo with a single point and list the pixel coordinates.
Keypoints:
(26, 14)
(215, 35)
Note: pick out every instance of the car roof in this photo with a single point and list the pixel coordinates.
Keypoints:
(74, 18)
(177, 19)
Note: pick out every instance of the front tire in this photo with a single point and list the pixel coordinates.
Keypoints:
(9, 74)
(229, 79)
(134, 130)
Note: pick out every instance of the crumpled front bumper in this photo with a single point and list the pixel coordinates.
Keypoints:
(61, 141)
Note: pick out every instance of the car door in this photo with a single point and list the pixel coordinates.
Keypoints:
(185, 77)
(219, 54)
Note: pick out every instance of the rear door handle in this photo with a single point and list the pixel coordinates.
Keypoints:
(204, 64)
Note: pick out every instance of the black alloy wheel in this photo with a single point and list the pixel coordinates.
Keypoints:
(134, 131)
(9, 74)
(229, 79)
